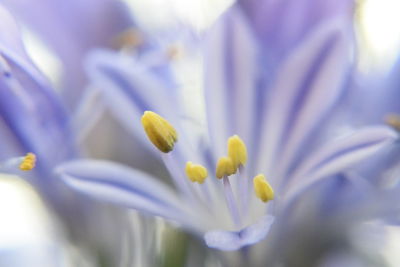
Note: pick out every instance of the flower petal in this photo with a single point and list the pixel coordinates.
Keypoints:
(280, 25)
(318, 95)
(303, 91)
(89, 23)
(29, 107)
(121, 185)
(338, 155)
(230, 76)
(130, 89)
(227, 240)
(88, 113)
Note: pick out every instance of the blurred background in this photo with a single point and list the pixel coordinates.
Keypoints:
(29, 233)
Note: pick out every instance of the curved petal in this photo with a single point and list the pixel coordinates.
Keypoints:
(338, 155)
(11, 45)
(29, 108)
(319, 94)
(303, 91)
(227, 240)
(115, 183)
(376, 96)
(230, 79)
(130, 89)
(71, 28)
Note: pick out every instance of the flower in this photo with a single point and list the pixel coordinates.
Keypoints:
(275, 115)
(70, 29)
(33, 120)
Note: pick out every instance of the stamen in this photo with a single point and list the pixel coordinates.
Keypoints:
(393, 120)
(28, 162)
(129, 39)
(159, 131)
(225, 167)
(230, 201)
(262, 188)
(237, 151)
(196, 172)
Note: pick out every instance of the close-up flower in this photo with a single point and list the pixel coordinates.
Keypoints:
(255, 138)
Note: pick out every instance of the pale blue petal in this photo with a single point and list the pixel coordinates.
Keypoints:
(230, 79)
(307, 85)
(228, 240)
(320, 92)
(117, 184)
(280, 25)
(88, 113)
(130, 88)
(71, 28)
(223, 240)
(12, 47)
(339, 155)
(376, 96)
(29, 108)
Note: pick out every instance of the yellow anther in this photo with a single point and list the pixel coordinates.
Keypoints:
(196, 172)
(28, 162)
(159, 131)
(393, 120)
(262, 188)
(225, 167)
(237, 151)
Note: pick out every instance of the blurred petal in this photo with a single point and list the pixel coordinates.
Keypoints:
(338, 155)
(319, 93)
(307, 85)
(88, 113)
(112, 182)
(226, 240)
(280, 25)
(28, 106)
(230, 73)
(376, 96)
(73, 27)
(130, 88)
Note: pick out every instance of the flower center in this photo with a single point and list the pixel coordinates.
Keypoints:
(163, 135)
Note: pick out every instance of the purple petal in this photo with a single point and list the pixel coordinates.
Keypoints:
(282, 24)
(230, 73)
(29, 108)
(376, 96)
(318, 95)
(130, 88)
(227, 240)
(73, 27)
(339, 155)
(117, 184)
(307, 85)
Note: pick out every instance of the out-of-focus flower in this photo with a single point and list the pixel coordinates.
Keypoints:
(277, 116)
(71, 29)
(33, 119)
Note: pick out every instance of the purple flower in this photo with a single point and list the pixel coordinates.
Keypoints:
(274, 89)
(33, 119)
